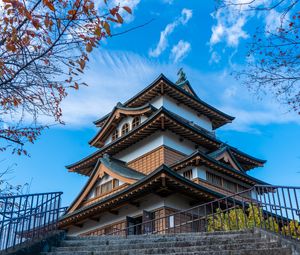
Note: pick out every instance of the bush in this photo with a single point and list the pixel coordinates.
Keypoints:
(238, 219)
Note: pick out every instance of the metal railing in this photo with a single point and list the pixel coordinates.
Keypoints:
(273, 208)
(26, 217)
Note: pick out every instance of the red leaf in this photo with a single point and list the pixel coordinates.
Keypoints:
(128, 9)
(120, 19)
(89, 47)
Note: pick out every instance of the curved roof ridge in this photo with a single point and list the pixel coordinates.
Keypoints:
(119, 167)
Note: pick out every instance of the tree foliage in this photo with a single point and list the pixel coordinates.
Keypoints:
(273, 63)
(44, 47)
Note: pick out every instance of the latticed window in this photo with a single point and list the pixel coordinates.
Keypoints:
(125, 129)
(115, 135)
(106, 187)
(188, 174)
(136, 121)
(230, 186)
(214, 179)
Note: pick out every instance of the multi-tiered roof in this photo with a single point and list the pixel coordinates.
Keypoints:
(208, 151)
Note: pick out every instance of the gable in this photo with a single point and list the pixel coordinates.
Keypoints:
(103, 174)
(227, 158)
(116, 117)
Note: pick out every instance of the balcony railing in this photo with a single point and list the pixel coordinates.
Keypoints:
(26, 217)
(273, 208)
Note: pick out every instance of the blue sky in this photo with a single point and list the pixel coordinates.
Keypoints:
(188, 34)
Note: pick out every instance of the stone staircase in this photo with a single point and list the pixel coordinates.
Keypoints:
(218, 243)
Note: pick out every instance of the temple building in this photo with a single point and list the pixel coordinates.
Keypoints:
(157, 154)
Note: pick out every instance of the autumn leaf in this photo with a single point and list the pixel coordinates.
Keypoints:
(120, 19)
(114, 11)
(36, 23)
(128, 9)
(98, 31)
(49, 5)
(88, 47)
(81, 63)
(106, 27)
(112, 19)
(72, 12)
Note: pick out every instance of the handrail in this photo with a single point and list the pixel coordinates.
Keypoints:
(233, 212)
(24, 217)
(30, 195)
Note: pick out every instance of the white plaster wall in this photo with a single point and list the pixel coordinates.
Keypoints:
(148, 144)
(157, 102)
(176, 142)
(182, 110)
(200, 172)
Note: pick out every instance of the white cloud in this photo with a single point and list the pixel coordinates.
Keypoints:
(116, 76)
(229, 27)
(180, 51)
(168, 1)
(272, 20)
(162, 44)
(112, 76)
(215, 58)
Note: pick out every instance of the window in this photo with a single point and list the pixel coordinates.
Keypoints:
(230, 186)
(188, 174)
(106, 187)
(214, 179)
(171, 221)
(116, 183)
(115, 135)
(136, 121)
(125, 129)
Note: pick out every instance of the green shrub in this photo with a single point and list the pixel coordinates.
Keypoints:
(238, 219)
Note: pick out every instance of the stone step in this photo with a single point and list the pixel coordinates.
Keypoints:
(147, 244)
(202, 234)
(105, 241)
(274, 251)
(168, 250)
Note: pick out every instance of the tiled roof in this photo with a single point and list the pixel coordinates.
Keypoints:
(120, 168)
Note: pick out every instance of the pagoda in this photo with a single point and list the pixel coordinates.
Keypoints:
(157, 154)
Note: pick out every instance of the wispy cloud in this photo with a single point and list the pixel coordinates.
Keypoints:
(230, 22)
(162, 44)
(180, 51)
(168, 1)
(116, 76)
(229, 27)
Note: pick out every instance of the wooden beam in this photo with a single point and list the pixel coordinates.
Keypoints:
(96, 219)
(136, 204)
(114, 212)
(162, 88)
(78, 225)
